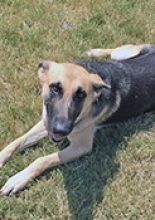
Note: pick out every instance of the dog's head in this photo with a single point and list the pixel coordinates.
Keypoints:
(69, 92)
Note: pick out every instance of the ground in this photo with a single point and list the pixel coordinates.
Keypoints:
(116, 181)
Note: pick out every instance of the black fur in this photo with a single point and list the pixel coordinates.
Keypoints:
(76, 104)
(133, 78)
(56, 90)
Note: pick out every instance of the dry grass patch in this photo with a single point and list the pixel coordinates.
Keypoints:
(117, 180)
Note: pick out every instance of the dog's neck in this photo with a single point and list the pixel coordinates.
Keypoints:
(107, 112)
(110, 72)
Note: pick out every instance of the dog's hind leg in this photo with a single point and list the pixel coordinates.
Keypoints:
(98, 52)
(120, 53)
(30, 138)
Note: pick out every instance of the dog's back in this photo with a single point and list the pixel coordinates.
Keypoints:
(134, 78)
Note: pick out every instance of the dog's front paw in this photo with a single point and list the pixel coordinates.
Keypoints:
(15, 183)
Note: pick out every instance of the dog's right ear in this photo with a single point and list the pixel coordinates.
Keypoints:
(44, 65)
(43, 68)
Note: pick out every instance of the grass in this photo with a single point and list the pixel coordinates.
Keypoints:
(117, 180)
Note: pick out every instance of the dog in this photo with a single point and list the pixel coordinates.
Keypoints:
(80, 97)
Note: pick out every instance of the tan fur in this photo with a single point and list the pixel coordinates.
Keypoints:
(81, 138)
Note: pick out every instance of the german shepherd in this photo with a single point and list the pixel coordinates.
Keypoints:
(80, 97)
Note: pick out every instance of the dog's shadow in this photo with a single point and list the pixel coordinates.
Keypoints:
(86, 178)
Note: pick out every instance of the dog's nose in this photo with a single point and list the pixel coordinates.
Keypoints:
(61, 126)
(61, 129)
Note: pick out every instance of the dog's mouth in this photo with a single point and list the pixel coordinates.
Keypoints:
(56, 138)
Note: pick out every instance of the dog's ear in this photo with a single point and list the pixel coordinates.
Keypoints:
(44, 65)
(98, 84)
(43, 68)
(99, 87)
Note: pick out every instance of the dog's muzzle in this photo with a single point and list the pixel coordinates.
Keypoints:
(56, 138)
(60, 128)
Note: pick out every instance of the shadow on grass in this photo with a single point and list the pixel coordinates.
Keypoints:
(85, 179)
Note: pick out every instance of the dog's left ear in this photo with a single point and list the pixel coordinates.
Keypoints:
(98, 84)
(99, 87)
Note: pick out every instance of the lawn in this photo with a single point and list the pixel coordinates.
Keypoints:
(117, 180)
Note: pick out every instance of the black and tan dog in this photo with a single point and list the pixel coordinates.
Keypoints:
(79, 97)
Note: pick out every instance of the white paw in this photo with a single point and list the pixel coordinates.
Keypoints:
(93, 52)
(15, 183)
(97, 52)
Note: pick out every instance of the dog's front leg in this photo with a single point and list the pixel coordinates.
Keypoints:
(82, 144)
(35, 134)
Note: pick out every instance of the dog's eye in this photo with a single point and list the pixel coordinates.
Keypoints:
(56, 90)
(79, 95)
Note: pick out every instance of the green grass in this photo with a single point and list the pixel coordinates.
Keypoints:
(117, 180)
